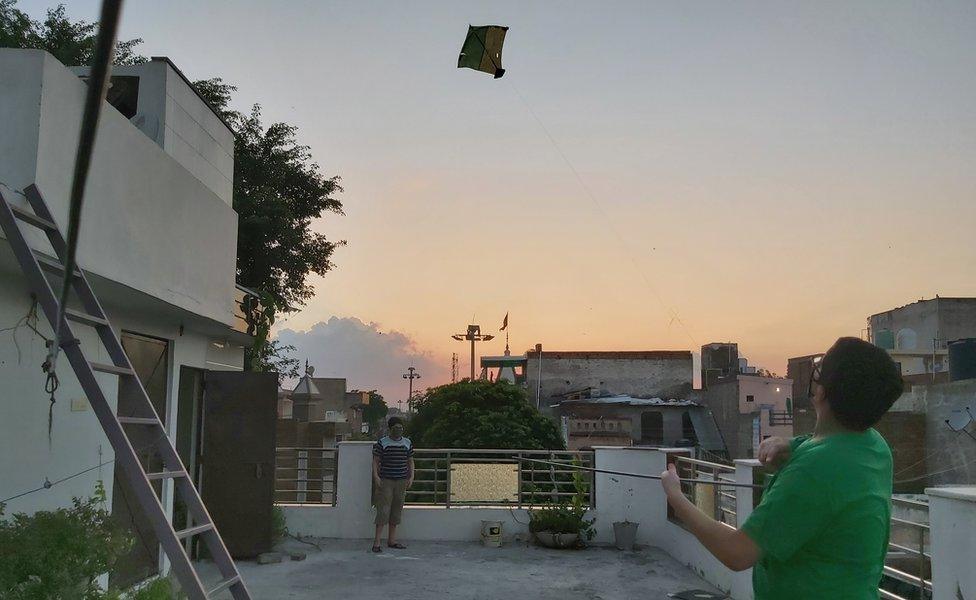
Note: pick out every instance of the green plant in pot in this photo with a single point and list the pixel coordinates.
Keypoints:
(563, 524)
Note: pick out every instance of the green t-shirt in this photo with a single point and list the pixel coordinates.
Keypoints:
(824, 519)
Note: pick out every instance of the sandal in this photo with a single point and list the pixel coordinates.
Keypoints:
(397, 546)
(377, 549)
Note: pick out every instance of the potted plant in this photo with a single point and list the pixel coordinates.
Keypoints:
(562, 524)
(625, 532)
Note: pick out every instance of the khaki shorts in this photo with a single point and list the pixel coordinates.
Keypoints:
(388, 500)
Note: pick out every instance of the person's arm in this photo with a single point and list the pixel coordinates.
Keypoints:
(732, 547)
(377, 453)
(410, 473)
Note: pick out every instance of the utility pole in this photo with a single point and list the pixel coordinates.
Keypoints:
(411, 374)
(473, 335)
(454, 367)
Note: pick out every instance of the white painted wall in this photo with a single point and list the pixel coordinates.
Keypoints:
(952, 518)
(617, 499)
(171, 114)
(148, 223)
(76, 434)
(770, 391)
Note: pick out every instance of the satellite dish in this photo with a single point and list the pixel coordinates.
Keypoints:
(959, 419)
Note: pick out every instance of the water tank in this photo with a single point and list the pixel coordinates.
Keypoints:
(962, 359)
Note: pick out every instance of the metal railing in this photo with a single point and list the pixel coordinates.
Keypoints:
(717, 501)
(780, 418)
(452, 477)
(908, 567)
(305, 475)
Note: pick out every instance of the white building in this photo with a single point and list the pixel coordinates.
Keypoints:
(158, 242)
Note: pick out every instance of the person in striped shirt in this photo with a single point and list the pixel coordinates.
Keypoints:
(392, 476)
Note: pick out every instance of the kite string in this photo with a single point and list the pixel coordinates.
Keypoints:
(606, 216)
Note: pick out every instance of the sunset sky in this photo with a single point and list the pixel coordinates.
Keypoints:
(769, 173)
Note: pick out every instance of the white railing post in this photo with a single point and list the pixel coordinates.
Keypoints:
(745, 497)
(952, 522)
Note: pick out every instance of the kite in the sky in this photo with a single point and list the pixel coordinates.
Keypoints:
(482, 49)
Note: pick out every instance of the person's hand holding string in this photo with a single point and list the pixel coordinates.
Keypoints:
(774, 452)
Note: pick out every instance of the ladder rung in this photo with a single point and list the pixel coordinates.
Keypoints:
(29, 217)
(87, 319)
(139, 421)
(185, 533)
(223, 585)
(165, 474)
(53, 266)
(102, 367)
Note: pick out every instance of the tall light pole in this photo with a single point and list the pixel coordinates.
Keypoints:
(473, 335)
(411, 374)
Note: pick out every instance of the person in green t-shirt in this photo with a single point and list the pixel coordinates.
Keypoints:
(821, 529)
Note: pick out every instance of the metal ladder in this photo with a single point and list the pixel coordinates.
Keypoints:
(33, 264)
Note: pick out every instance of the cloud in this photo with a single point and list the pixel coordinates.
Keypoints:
(368, 357)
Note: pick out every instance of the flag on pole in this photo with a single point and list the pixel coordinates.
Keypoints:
(504, 323)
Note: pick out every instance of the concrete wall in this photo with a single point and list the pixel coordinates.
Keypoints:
(171, 114)
(722, 399)
(952, 517)
(617, 499)
(76, 435)
(147, 222)
(924, 326)
(662, 374)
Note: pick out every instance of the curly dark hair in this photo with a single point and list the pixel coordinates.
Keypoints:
(860, 382)
(394, 421)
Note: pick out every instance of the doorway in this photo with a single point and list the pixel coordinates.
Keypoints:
(150, 359)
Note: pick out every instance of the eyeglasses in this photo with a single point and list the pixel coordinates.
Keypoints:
(815, 374)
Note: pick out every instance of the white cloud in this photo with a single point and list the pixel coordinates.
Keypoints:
(368, 357)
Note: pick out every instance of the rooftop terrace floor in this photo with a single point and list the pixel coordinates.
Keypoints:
(466, 571)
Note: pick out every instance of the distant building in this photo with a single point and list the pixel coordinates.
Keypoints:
(321, 400)
(504, 368)
(550, 375)
(917, 335)
(594, 420)
(799, 370)
(746, 406)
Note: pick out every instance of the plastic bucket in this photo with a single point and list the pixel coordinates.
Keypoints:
(491, 534)
(625, 534)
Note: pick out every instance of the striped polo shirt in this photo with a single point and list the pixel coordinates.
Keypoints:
(394, 457)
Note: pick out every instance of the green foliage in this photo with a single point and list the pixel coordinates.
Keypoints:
(481, 414)
(278, 191)
(72, 43)
(375, 411)
(566, 516)
(60, 553)
(279, 528)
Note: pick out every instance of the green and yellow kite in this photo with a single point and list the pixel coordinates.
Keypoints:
(482, 49)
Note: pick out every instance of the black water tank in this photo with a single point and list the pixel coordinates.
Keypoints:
(962, 359)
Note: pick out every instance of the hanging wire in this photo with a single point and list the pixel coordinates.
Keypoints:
(49, 484)
(97, 86)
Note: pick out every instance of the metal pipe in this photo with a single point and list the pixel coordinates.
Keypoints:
(642, 475)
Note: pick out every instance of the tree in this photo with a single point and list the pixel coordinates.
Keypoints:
(278, 190)
(481, 414)
(375, 411)
(72, 43)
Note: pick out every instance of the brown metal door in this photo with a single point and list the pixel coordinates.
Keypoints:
(237, 465)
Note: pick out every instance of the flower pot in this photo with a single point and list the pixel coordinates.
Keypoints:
(625, 534)
(557, 540)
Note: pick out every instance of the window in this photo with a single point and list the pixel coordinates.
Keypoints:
(750, 398)
(652, 428)
(688, 428)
